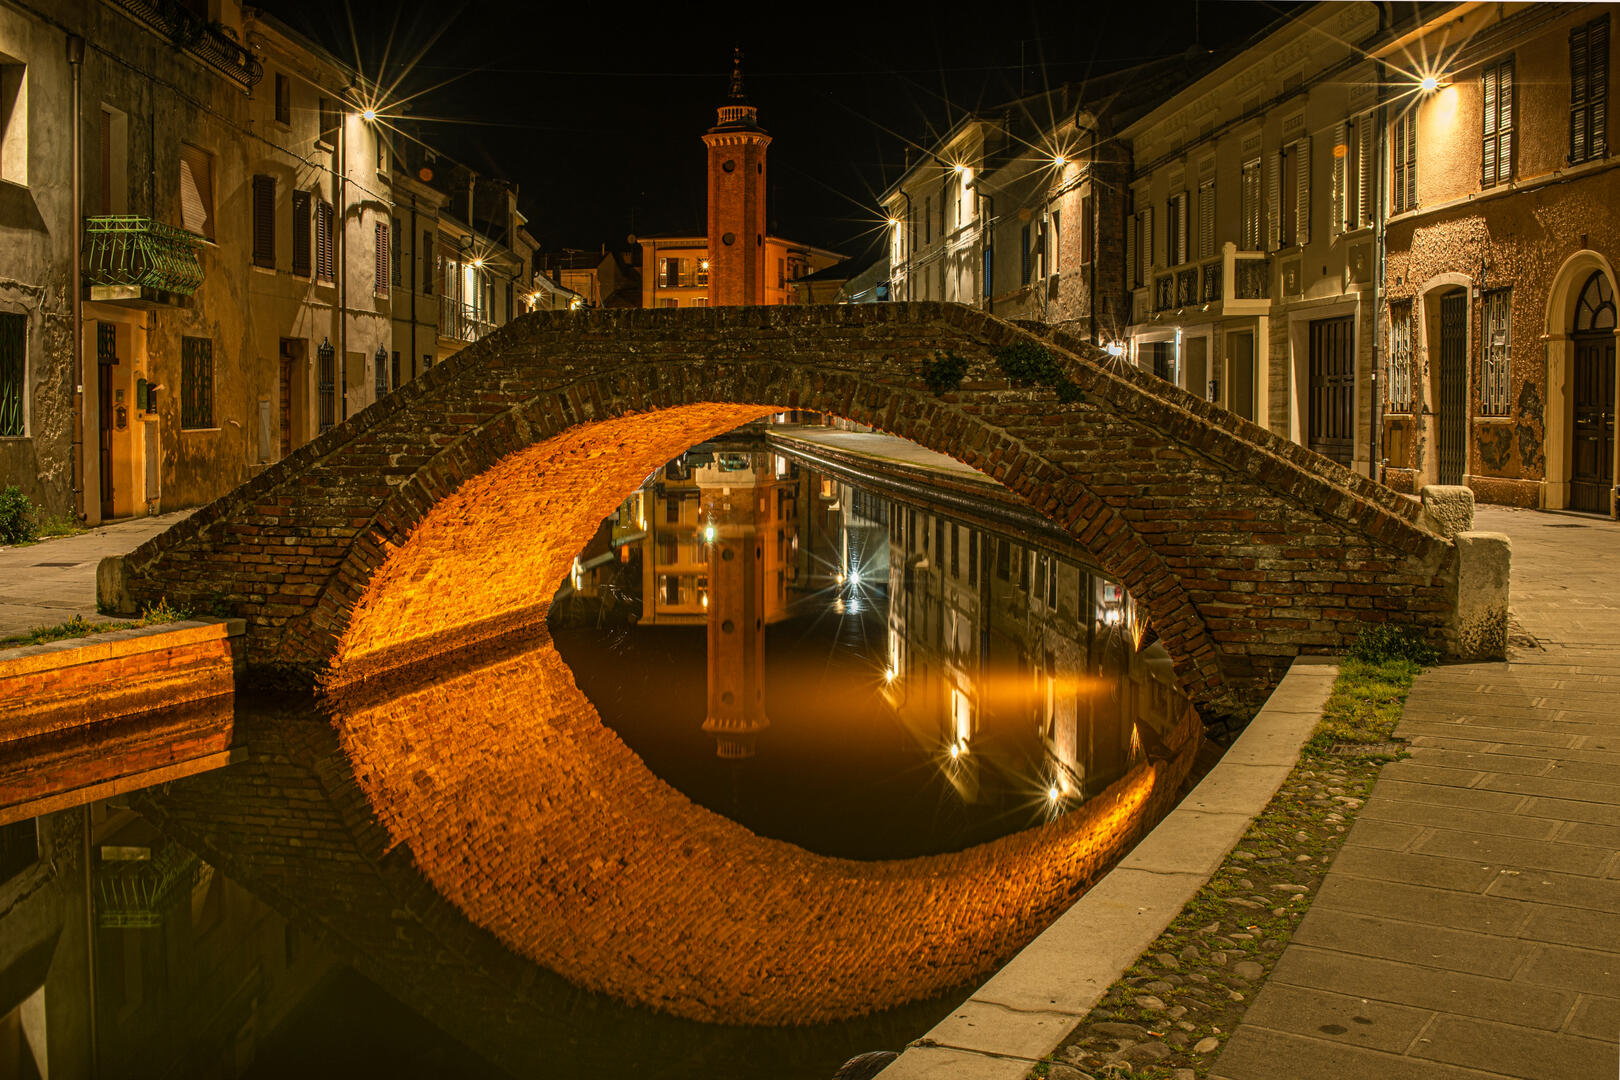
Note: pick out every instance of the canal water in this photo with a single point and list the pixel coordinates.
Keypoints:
(866, 659)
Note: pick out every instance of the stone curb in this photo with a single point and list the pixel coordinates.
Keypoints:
(1026, 1010)
(94, 648)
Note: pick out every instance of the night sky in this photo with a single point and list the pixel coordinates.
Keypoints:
(596, 110)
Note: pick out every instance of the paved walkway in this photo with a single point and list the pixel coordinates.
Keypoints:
(1470, 927)
(49, 582)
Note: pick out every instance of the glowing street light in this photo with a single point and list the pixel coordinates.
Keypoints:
(1430, 84)
(369, 115)
(708, 533)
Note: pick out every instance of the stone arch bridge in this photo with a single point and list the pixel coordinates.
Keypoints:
(478, 800)
(450, 510)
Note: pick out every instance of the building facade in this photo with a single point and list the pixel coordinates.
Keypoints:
(257, 260)
(1501, 244)
(1249, 248)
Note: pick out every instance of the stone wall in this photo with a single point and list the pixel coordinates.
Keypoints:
(1243, 550)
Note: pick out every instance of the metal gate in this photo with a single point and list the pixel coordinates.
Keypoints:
(1331, 425)
(1452, 420)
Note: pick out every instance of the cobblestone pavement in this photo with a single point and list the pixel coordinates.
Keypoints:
(1469, 929)
(49, 582)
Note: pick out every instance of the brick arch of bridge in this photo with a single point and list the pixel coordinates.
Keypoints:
(453, 507)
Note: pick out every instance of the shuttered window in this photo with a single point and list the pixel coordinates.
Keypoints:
(283, 100)
(196, 382)
(1024, 255)
(1274, 199)
(300, 233)
(1175, 219)
(1343, 215)
(427, 264)
(1497, 155)
(264, 221)
(327, 110)
(1403, 163)
(1364, 174)
(1086, 227)
(1300, 154)
(1206, 219)
(323, 242)
(396, 257)
(384, 274)
(1495, 355)
(13, 364)
(1249, 197)
(1589, 90)
(1399, 393)
(196, 190)
(1133, 269)
(1145, 243)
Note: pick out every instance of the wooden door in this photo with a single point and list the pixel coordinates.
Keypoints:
(1592, 455)
(1331, 428)
(1452, 415)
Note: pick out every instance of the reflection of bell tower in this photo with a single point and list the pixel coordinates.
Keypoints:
(736, 619)
(737, 199)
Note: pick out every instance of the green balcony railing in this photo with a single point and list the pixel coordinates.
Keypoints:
(126, 250)
(136, 893)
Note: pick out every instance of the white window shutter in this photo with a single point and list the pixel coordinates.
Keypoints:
(196, 191)
(1206, 220)
(1364, 172)
(1274, 201)
(1131, 267)
(1148, 252)
(1302, 191)
(1341, 194)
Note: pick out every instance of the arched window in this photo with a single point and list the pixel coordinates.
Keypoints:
(1596, 308)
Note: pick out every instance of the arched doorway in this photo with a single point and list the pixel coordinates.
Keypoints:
(1591, 451)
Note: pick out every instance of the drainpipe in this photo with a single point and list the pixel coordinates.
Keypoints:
(1380, 264)
(75, 59)
(343, 263)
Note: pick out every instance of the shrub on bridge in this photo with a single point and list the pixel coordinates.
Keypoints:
(18, 521)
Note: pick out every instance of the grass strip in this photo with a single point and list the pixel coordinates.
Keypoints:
(1167, 1017)
(78, 627)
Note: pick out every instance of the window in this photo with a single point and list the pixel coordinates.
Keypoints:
(1023, 245)
(1132, 245)
(197, 190)
(1352, 176)
(1290, 203)
(329, 120)
(781, 273)
(427, 263)
(379, 373)
(671, 302)
(669, 273)
(1164, 360)
(1496, 160)
(1206, 219)
(114, 163)
(1249, 208)
(300, 234)
(989, 275)
(1403, 163)
(393, 367)
(1053, 248)
(956, 552)
(928, 220)
(702, 273)
(672, 511)
(1175, 218)
(1589, 90)
(1399, 393)
(283, 100)
(13, 372)
(1144, 244)
(323, 241)
(383, 274)
(1366, 152)
(395, 257)
(13, 122)
(1495, 353)
(326, 384)
(1086, 227)
(973, 557)
(196, 382)
(264, 221)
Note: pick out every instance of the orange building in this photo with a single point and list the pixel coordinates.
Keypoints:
(738, 262)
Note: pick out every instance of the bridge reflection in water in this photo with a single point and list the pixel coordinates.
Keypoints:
(931, 684)
(907, 676)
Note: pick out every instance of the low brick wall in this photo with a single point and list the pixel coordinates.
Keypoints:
(49, 689)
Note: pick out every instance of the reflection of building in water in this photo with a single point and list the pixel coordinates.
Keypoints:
(189, 972)
(736, 520)
(1002, 651)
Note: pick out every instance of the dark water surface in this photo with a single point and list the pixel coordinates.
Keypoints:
(873, 671)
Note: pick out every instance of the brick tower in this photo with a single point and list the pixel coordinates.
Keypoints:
(737, 199)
